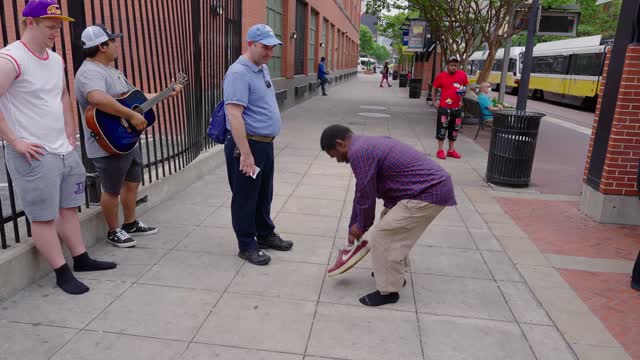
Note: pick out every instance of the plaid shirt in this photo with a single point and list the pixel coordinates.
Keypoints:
(390, 170)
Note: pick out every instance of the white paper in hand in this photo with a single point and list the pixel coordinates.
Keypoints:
(255, 174)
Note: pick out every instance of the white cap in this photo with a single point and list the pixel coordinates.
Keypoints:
(95, 35)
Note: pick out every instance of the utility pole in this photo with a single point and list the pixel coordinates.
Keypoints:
(505, 68)
(506, 58)
(523, 91)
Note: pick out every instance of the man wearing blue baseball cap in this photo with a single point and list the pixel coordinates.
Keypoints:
(253, 118)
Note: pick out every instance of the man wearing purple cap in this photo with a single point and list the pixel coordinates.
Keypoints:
(36, 122)
(253, 118)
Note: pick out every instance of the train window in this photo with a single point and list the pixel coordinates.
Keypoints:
(497, 65)
(543, 64)
(560, 64)
(512, 65)
(475, 66)
(587, 64)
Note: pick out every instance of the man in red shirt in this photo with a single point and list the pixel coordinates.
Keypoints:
(452, 82)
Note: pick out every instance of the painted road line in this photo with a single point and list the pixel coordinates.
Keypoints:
(568, 125)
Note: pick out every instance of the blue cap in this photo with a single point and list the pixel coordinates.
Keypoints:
(263, 34)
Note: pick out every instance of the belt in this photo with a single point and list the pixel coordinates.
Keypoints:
(266, 139)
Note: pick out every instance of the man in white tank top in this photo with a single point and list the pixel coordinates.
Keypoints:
(37, 124)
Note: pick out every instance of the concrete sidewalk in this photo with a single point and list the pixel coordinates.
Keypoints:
(478, 287)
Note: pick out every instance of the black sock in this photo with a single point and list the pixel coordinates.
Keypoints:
(377, 299)
(83, 262)
(67, 282)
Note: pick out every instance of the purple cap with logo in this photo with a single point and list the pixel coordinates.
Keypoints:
(46, 9)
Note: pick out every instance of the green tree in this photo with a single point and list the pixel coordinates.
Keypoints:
(390, 27)
(594, 20)
(366, 40)
(380, 53)
(461, 26)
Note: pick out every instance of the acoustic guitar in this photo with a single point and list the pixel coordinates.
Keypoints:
(116, 135)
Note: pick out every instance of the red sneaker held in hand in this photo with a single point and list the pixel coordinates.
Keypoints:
(349, 257)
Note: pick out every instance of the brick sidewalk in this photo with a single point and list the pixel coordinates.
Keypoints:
(478, 287)
(577, 245)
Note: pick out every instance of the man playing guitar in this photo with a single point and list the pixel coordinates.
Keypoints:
(98, 83)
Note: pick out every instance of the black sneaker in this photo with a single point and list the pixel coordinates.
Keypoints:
(120, 238)
(275, 242)
(138, 228)
(255, 257)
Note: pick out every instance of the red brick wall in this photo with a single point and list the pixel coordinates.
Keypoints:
(423, 70)
(255, 12)
(621, 162)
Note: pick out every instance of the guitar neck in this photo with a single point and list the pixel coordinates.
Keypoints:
(147, 105)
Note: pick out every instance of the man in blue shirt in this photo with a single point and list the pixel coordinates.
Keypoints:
(253, 118)
(322, 75)
(485, 102)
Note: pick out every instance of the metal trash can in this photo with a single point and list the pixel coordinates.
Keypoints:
(394, 75)
(415, 88)
(404, 80)
(513, 146)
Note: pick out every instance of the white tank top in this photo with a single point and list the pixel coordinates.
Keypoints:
(32, 106)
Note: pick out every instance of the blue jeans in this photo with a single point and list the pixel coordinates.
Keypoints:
(251, 200)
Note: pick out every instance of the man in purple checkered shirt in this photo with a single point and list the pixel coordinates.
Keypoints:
(414, 188)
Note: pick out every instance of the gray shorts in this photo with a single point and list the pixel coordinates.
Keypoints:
(114, 170)
(47, 185)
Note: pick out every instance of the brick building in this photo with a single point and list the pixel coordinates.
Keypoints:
(309, 30)
(611, 188)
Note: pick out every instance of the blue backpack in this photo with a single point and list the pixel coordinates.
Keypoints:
(218, 126)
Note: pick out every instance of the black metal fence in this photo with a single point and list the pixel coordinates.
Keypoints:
(200, 38)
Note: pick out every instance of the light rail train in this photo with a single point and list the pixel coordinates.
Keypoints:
(567, 71)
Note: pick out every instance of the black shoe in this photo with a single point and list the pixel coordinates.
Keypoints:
(325, 94)
(120, 238)
(275, 242)
(377, 299)
(403, 284)
(138, 228)
(255, 257)
(635, 275)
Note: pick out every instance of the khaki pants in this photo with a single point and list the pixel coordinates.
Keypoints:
(393, 237)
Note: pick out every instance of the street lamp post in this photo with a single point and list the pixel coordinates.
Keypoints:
(523, 91)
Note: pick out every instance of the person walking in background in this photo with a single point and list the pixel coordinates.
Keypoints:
(253, 117)
(322, 75)
(385, 74)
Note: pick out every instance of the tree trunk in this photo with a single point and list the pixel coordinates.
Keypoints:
(488, 64)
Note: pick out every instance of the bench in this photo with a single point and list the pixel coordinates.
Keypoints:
(471, 110)
(301, 90)
(313, 86)
(281, 96)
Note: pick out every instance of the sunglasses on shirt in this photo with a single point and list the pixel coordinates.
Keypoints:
(267, 83)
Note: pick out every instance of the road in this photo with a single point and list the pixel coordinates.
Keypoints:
(562, 147)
